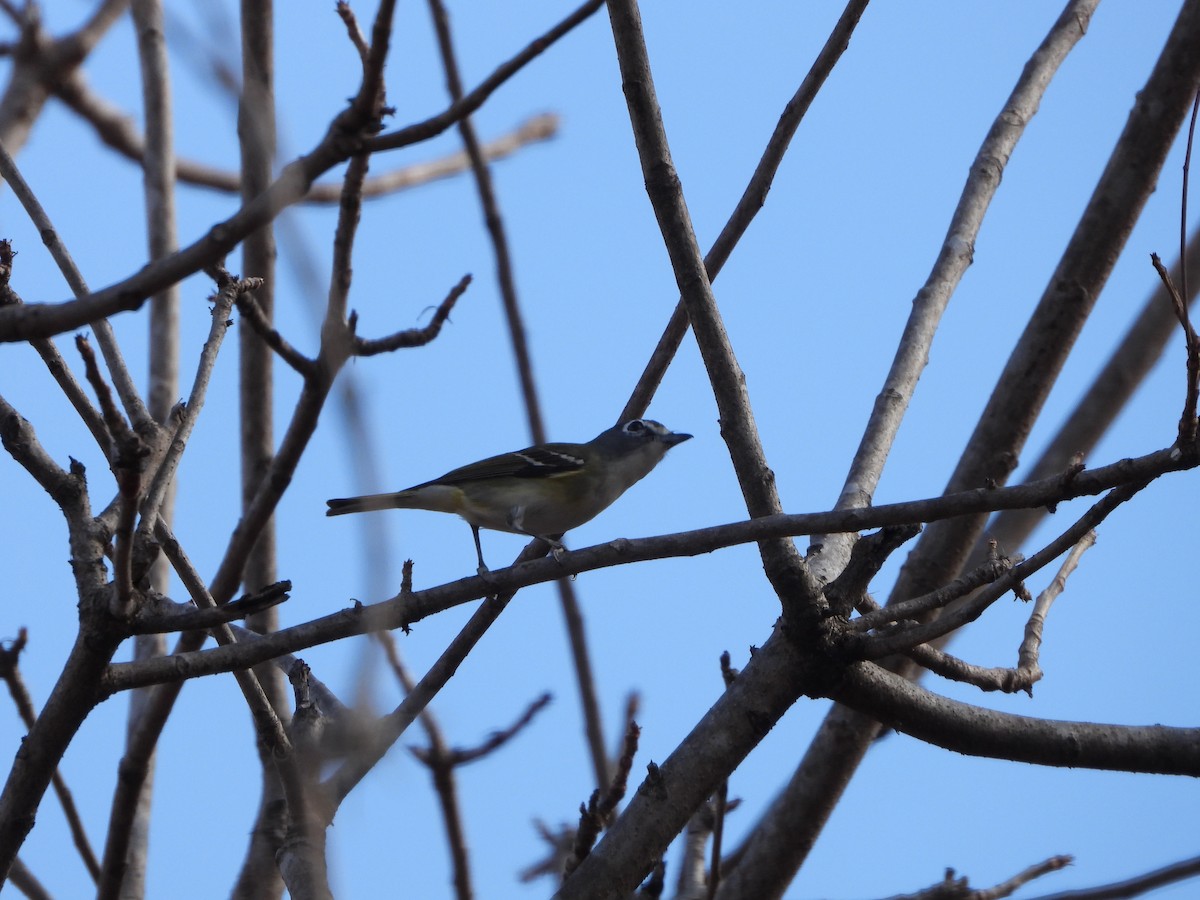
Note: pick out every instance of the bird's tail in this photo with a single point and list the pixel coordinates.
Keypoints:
(367, 503)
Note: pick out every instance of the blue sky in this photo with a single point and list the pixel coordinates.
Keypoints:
(814, 300)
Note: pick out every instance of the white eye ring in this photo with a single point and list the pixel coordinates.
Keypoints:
(636, 426)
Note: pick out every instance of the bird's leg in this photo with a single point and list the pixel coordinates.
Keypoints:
(483, 570)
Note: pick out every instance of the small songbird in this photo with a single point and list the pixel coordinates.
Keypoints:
(542, 491)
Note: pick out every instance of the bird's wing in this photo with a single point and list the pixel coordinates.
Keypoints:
(534, 462)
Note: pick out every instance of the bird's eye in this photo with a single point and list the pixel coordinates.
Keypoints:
(637, 426)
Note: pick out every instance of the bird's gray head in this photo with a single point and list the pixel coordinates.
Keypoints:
(638, 437)
(625, 454)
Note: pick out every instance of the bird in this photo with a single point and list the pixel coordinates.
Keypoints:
(541, 491)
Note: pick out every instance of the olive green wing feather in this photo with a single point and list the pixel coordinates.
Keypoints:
(534, 462)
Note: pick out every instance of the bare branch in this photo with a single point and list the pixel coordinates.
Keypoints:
(752, 200)
(1136, 886)
(877, 617)
(128, 466)
(414, 337)
(955, 888)
(954, 257)
(407, 608)
(53, 359)
(975, 731)
(1027, 671)
(879, 646)
(167, 617)
(788, 573)
(253, 314)
(11, 675)
(445, 782)
(187, 416)
(842, 742)
(496, 740)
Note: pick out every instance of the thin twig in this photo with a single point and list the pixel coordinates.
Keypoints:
(496, 740)
(128, 466)
(1027, 671)
(880, 616)
(53, 359)
(1136, 886)
(879, 646)
(1183, 201)
(413, 337)
(252, 313)
(953, 886)
(190, 412)
(1187, 420)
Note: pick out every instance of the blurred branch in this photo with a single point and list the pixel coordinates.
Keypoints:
(162, 239)
(39, 61)
(572, 614)
(496, 740)
(118, 131)
(598, 812)
(444, 782)
(26, 882)
(343, 139)
(392, 726)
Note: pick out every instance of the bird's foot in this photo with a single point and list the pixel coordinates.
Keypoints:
(486, 574)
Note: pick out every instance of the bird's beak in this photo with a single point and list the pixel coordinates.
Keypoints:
(675, 438)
